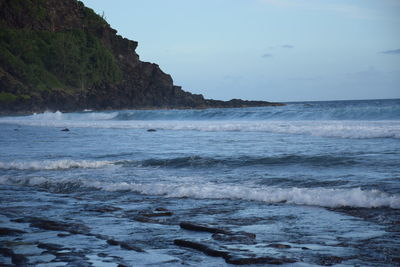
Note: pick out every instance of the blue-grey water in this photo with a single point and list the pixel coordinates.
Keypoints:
(320, 177)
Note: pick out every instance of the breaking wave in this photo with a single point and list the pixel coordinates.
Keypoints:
(201, 162)
(337, 129)
(324, 197)
(338, 119)
(197, 162)
(52, 164)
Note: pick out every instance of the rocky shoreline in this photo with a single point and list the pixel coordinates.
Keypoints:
(80, 230)
(100, 70)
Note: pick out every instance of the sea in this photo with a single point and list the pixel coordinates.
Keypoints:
(304, 184)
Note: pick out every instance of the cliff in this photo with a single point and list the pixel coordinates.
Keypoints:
(60, 55)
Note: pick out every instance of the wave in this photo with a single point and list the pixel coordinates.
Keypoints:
(179, 162)
(324, 197)
(201, 162)
(52, 164)
(337, 129)
(333, 110)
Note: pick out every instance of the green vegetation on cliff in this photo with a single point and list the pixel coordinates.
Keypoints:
(61, 55)
(42, 60)
(71, 59)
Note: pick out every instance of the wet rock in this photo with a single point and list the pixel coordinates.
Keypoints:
(65, 130)
(201, 247)
(157, 214)
(279, 246)
(104, 209)
(304, 248)
(232, 259)
(17, 259)
(6, 252)
(235, 237)
(63, 235)
(396, 260)
(124, 245)
(151, 130)
(258, 260)
(161, 209)
(10, 231)
(329, 260)
(50, 246)
(201, 228)
(113, 242)
(44, 224)
(128, 246)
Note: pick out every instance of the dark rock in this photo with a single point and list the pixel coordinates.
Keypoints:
(6, 252)
(157, 214)
(232, 259)
(258, 260)
(152, 130)
(104, 209)
(50, 246)
(128, 246)
(65, 130)
(304, 248)
(124, 245)
(44, 224)
(201, 247)
(235, 237)
(160, 209)
(328, 260)
(113, 242)
(279, 246)
(396, 259)
(63, 235)
(10, 231)
(19, 260)
(201, 228)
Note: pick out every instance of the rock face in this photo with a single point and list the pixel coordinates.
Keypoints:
(60, 55)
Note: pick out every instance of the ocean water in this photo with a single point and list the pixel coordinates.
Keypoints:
(322, 178)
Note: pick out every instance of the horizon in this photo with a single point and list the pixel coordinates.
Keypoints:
(278, 51)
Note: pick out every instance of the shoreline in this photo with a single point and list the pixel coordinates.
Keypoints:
(31, 112)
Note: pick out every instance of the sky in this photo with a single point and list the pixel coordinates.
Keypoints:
(273, 50)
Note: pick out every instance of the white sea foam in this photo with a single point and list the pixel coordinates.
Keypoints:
(52, 164)
(324, 128)
(324, 197)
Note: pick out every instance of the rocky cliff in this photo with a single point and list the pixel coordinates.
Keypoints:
(60, 55)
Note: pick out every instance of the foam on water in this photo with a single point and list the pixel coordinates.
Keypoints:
(338, 129)
(52, 164)
(324, 197)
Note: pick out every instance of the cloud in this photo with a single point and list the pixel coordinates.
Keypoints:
(391, 52)
(266, 55)
(287, 46)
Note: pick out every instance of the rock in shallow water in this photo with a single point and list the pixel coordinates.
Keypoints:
(201, 228)
(230, 258)
(10, 231)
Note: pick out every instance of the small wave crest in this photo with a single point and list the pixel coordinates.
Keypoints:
(324, 197)
(83, 116)
(52, 164)
(198, 161)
